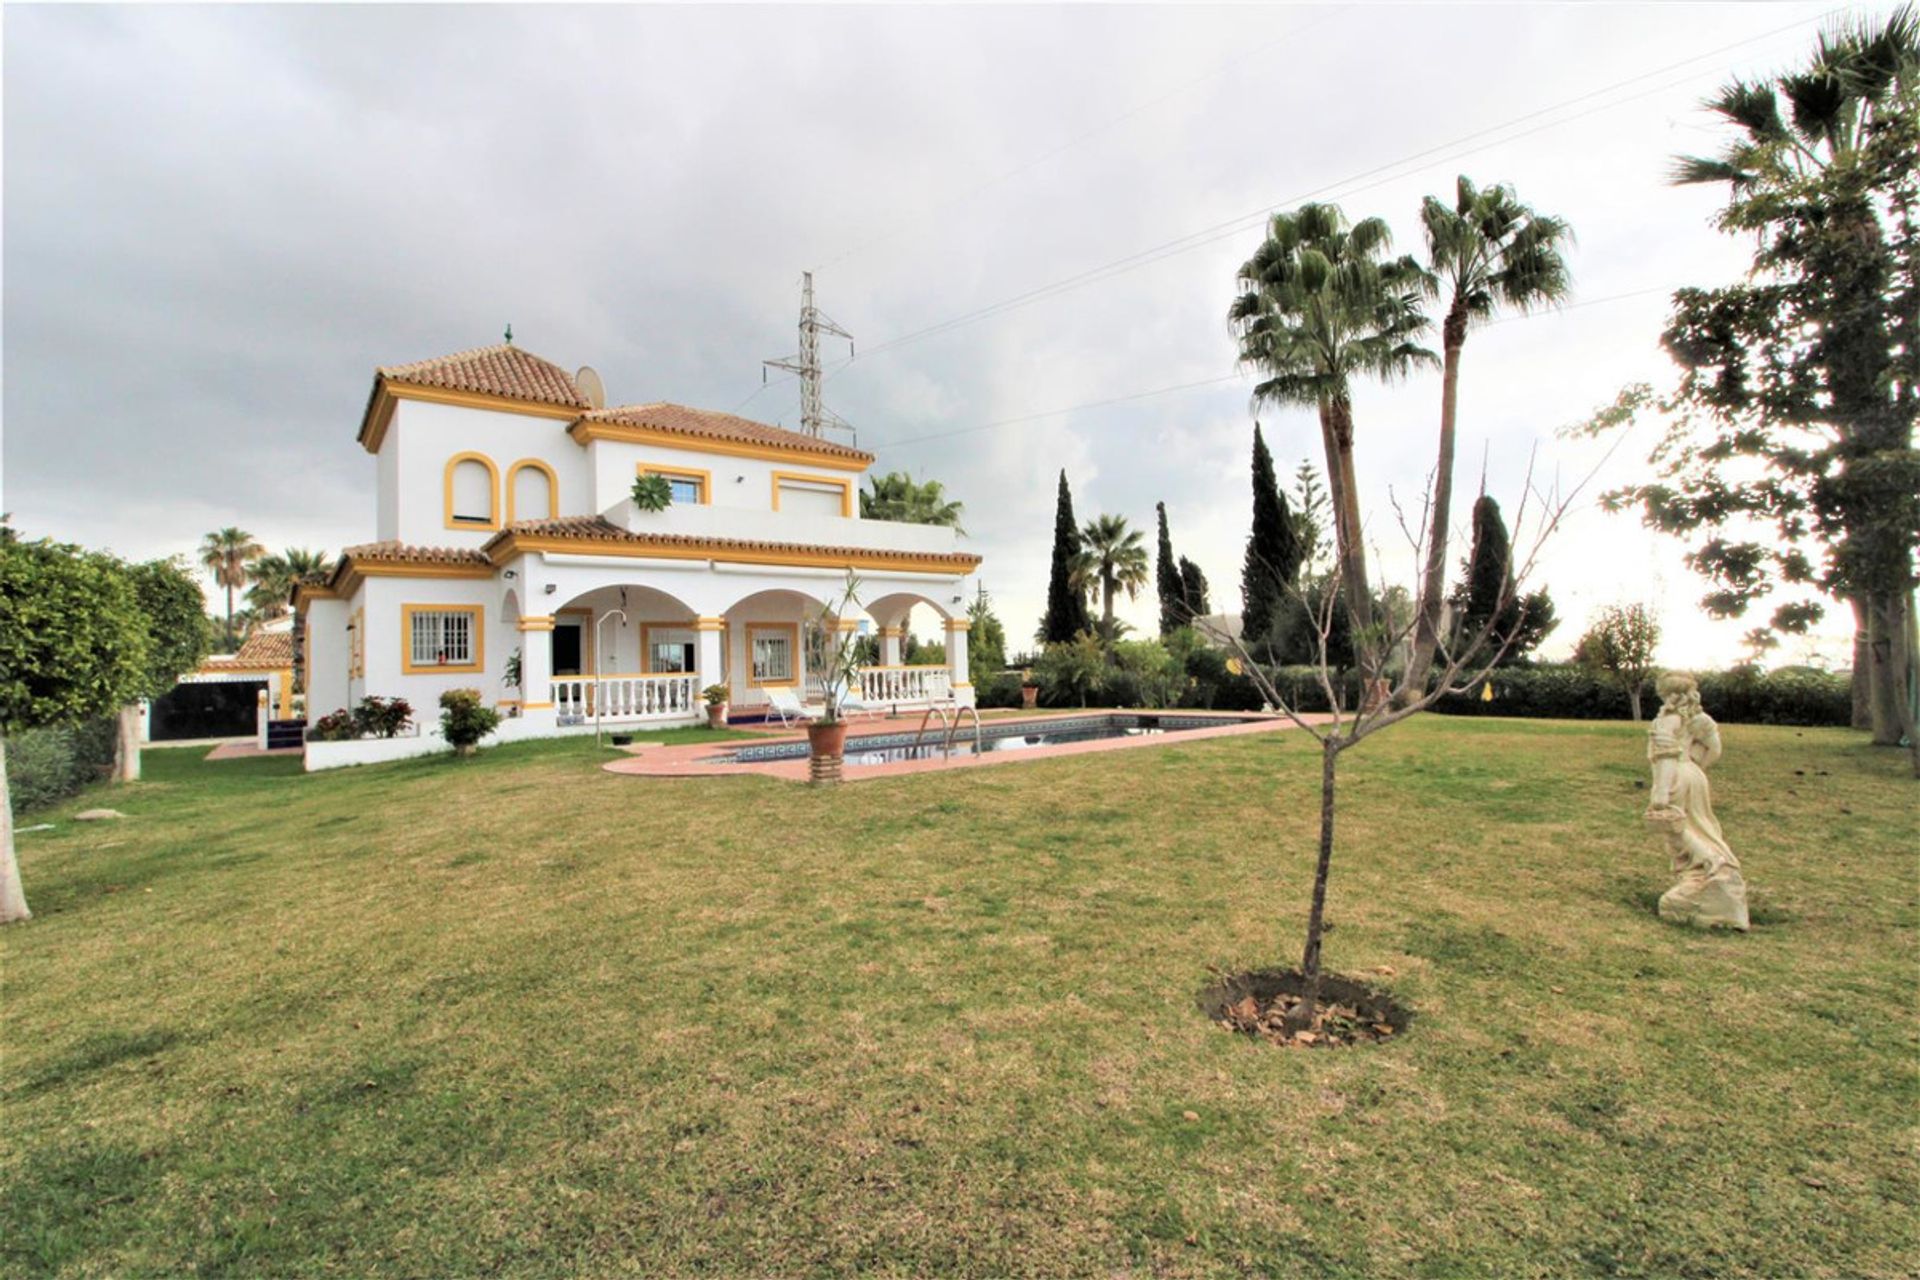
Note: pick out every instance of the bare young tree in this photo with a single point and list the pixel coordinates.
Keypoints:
(1461, 662)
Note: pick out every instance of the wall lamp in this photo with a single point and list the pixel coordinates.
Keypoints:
(552, 587)
(510, 574)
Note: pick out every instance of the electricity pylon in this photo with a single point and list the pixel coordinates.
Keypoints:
(815, 418)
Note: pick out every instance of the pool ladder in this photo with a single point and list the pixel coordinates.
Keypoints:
(951, 723)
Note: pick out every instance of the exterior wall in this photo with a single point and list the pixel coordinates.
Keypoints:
(736, 484)
(326, 656)
(387, 488)
(423, 436)
(385, 602)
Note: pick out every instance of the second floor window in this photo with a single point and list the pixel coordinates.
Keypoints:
(687, 491)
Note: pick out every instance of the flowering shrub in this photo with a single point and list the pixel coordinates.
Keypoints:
(377, 717)
(335, 726)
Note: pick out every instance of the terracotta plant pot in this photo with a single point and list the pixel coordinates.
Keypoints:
(827, 744)
(717, 716)
(1029, 696)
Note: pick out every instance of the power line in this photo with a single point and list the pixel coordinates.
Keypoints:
(1222, 230)
(1213, 382)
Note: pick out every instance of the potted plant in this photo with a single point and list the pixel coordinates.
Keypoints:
(1029, 691)
(716, 696)
(833, 655)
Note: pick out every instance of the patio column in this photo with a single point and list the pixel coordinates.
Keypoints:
(536, 669)
(957, 629)
(710, 636)
(890, 645)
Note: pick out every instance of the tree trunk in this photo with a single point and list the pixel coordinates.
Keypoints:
(13, 899)
(1860, 684)
(229, 617)
(126, 747)
(1633, 700)
(1426, 635)
(1347, 528)
(1302, 1016)
(1106, 610)
(1886, 666)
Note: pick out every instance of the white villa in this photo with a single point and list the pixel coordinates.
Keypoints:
(507, 537)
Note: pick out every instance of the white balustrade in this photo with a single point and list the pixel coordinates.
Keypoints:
(626, 697)
(905, 686)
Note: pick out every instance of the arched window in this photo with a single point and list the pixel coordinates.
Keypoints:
(473, 492)
(533, 491)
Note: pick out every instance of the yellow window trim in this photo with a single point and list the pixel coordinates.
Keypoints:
(679, 473)
(789, 629)
(479, 626)
(842, 483)
(646, 645)
(493, 492)
(553, 490)
(357, 647)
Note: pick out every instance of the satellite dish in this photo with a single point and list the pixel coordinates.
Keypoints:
(589, 383)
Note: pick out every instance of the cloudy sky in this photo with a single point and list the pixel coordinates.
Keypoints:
(217, 221)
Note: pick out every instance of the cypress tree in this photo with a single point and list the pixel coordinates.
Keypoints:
(1527, 619)
(1193, 591)
(1066, 615)
(1273, 552)
(1174, 607)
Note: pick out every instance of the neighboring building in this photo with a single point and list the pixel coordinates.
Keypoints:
(220, 698)
(505, 530)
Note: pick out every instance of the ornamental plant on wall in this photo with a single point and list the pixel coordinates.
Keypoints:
(651, 492)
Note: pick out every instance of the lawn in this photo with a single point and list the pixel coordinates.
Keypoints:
(518, 1016)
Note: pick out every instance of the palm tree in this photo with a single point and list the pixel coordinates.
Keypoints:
(1113, 558)
(225, 553)
(1485, 251)
(1320, 304)
(274, 577)
(1858, 76)
(895, 496)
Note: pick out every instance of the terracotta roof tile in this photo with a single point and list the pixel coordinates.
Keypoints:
(711, 424)
(500, 370)
(599, 529)
(393, 551)
(260, 651)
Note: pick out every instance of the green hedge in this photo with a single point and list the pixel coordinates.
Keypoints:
(48, 765)
(1796, 696)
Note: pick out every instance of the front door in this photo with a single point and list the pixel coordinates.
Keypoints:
(566, 649)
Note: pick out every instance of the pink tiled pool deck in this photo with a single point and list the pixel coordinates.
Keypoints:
(712, 759)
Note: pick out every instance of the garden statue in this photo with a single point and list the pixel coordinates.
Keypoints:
(1682, 743)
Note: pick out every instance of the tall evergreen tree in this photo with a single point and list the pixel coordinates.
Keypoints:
(1174, 610)
(1273, 552)
(1066, 615)
(1193, 592)
(1488, 592)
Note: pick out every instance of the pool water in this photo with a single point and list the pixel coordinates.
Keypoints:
(894, 748)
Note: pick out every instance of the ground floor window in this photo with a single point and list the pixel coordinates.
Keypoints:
(772, 654)
(443, 638)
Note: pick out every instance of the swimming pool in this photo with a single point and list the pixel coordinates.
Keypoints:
(896, 747)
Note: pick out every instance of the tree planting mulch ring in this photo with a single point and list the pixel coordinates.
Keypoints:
(1350, 1012)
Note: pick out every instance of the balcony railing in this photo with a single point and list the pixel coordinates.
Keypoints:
(904, 686)
(626, 697)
